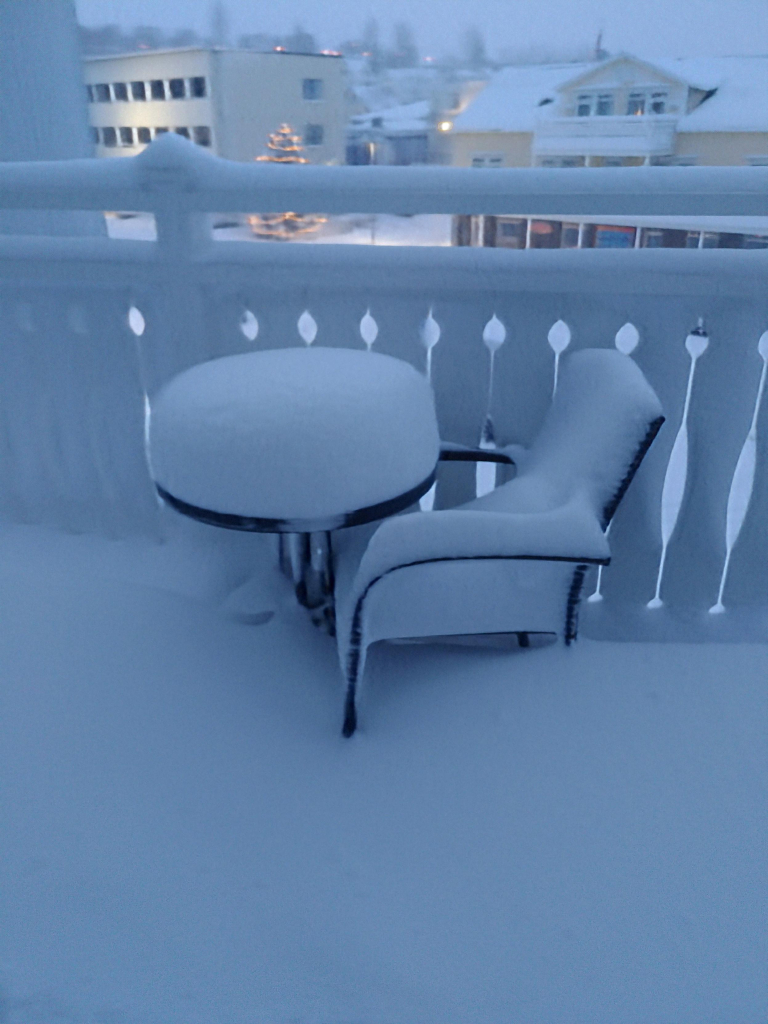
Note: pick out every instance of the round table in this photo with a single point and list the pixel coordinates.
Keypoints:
(298, 441)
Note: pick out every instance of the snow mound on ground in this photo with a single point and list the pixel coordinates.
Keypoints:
(294, 433)
(559, 835)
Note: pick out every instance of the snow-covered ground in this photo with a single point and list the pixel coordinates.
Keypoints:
(544, 836)
(349, 229)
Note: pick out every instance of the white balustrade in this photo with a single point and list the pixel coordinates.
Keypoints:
(91, 327)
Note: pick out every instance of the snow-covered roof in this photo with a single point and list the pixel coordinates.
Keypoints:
(741, 100)
(409, 117)
(511, 100)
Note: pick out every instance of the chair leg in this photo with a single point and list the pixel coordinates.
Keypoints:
(350, 711)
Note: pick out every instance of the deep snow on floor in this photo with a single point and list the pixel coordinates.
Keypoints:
(547, 836)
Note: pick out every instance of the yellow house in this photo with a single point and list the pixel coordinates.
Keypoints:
(622, 111)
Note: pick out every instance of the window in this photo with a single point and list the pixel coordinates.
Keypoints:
(202, 135)
(120, 91)
(510, 234)
(636, 103)
(197, 88)
(545, 234)
(126, 136)
(605, 104)
(487, 159)
(584, 106)
(658, 102)
(608, 236)
(569, 237)
(561, 161)
(313, 135)
(102, 93)
(95, 136)
(157, 89)
(109, 136)
(312, 89)
(138, 90)
(89, 93)
(160, 131)
(144, 135)
(182, 131)
(176, 89)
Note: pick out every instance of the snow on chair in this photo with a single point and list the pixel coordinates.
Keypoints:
(514, 560)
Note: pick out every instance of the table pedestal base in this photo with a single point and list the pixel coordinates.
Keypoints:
(307, 560)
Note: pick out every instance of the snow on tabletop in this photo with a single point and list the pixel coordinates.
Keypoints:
(294, 433)
(563, 835)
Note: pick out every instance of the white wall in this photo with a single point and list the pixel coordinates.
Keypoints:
(249, 95)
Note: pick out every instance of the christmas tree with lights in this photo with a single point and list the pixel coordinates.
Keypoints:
(284, 148)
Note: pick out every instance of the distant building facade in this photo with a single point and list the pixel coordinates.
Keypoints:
(225, 100)
(621, 111)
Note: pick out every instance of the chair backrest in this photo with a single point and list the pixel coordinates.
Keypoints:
(604, 417)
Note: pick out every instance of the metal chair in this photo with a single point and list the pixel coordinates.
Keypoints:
(514, 560)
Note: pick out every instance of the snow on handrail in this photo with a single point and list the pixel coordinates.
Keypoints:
(173, 173)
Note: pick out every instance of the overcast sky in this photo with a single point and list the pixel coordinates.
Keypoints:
(661, 27)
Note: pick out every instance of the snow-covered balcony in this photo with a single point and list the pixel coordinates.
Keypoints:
(644, 136)
(567, 834)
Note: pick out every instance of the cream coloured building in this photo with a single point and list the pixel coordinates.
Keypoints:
(622, 111)
(228, 100)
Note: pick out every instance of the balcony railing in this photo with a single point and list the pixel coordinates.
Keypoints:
(76, 370)
(643, 135)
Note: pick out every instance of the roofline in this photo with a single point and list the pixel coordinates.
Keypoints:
(624, 56)
(209, 49)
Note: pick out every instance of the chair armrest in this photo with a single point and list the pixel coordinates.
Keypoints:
(450, 452)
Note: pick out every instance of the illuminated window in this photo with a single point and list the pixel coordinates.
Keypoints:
(636, 103)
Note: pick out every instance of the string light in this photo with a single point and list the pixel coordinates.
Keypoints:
(285, 148)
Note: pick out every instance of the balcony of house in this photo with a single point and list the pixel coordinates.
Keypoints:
(642, 136)
(185, 826)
